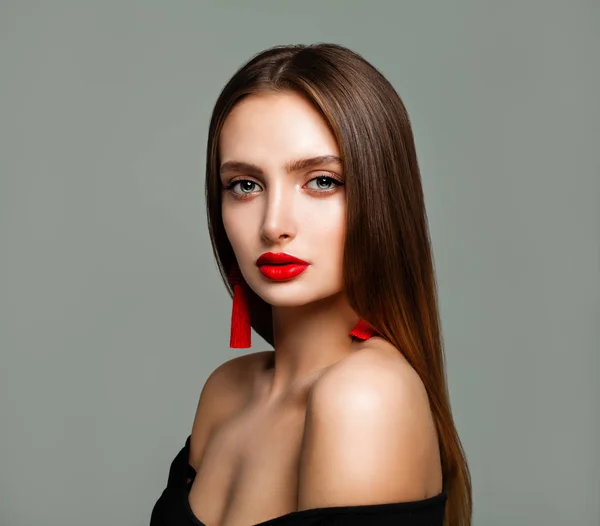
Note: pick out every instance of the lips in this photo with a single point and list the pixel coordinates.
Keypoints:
(278, 266)
(278, 258)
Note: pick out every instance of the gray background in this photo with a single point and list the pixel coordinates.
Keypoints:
(112, 314)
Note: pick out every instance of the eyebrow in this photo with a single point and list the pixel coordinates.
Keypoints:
(292, 166)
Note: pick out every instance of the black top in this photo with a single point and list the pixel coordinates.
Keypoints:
(173, 508)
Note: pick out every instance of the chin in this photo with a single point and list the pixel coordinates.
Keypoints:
(279, 295)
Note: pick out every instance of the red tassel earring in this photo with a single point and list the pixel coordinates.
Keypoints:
(362, 330)
(240, 337)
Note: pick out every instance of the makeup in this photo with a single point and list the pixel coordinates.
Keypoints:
(279, 266)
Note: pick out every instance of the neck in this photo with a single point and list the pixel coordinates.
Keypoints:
(309, 338)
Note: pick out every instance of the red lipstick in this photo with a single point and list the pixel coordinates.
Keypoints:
(279, 266)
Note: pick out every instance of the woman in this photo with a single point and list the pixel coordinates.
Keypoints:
(317, 220)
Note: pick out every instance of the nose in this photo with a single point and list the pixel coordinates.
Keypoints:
(279, 222)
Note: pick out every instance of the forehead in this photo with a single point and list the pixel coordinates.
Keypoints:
(272, 128)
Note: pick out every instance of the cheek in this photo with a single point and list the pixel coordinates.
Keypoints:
(329, 215)
(326, 226)
(236, 227)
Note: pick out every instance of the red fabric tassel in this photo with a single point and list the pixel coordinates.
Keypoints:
(241, 329)
(362, 330)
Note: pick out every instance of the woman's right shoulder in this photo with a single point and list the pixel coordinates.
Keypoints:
(225, 391)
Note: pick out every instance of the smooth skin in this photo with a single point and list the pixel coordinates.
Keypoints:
(333, 422)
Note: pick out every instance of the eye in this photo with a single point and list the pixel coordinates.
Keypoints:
(325, 183)
(246, 187)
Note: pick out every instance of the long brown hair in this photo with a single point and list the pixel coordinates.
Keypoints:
(389, 274)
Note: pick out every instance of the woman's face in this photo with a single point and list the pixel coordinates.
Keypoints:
(270, 206)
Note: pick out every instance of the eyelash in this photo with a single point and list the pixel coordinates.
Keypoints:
(229, 188)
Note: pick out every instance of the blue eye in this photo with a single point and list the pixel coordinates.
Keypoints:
(244, 184)
(325, 182)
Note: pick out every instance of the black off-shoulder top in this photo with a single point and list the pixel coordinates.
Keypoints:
(173, 508)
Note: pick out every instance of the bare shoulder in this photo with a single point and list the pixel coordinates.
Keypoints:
(377, 368)
(370, 437)
(224, 391)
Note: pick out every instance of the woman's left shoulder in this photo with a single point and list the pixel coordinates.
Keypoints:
(366, 398)
(375, 375)
(375, 361)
